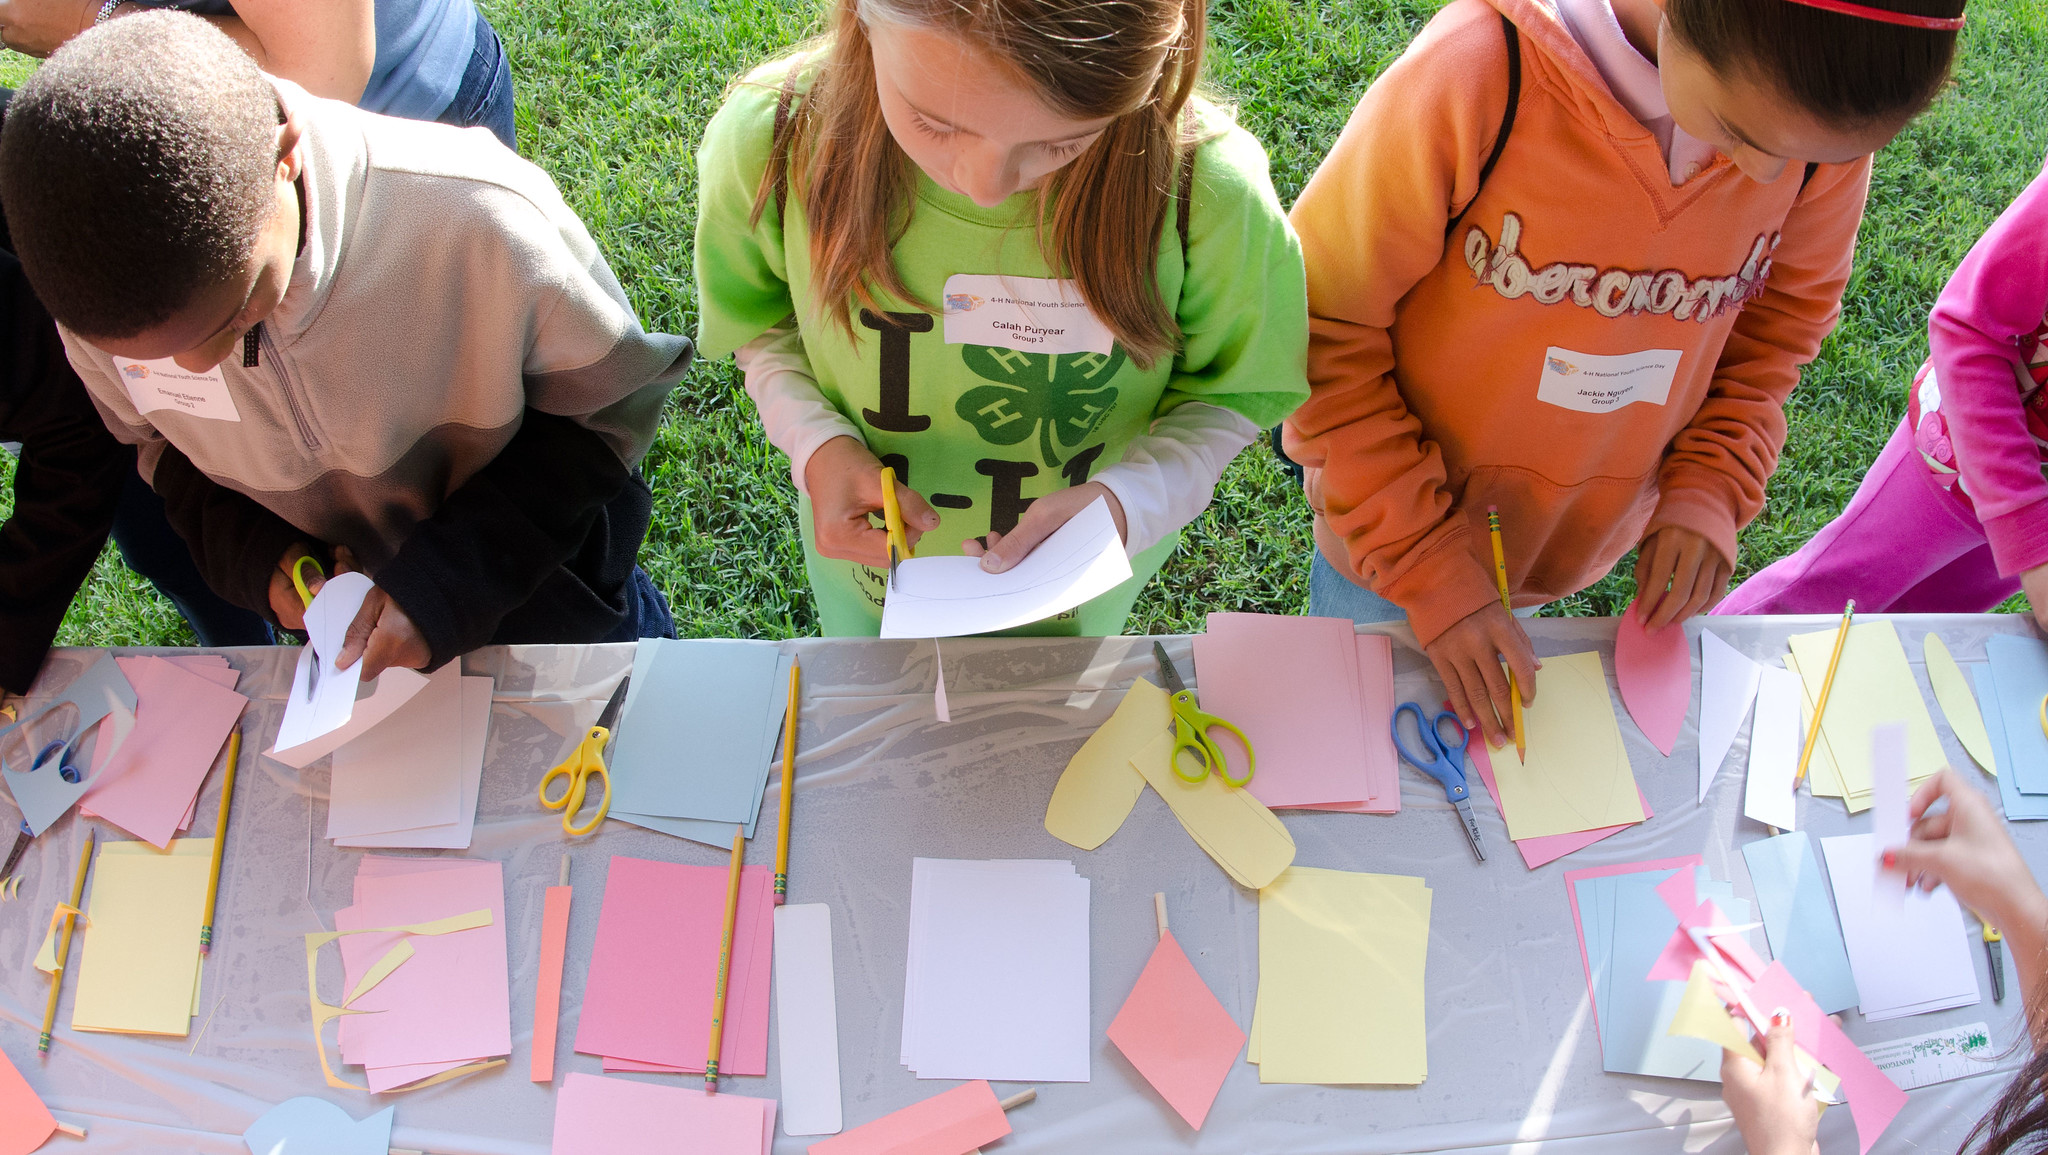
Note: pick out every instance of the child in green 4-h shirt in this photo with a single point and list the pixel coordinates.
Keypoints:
(1000, 246)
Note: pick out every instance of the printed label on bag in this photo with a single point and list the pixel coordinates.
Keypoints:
(161, 384)
(1593, 383)
(1028, 314)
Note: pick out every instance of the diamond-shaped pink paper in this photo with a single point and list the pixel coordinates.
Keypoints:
(1175, 1032)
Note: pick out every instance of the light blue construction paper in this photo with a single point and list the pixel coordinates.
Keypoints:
(696, 739)
(309, 1126)
(1800, 920)
(1627, 929)
(2020, 668)
(42, 795)
(718, 834)
(2018, 807)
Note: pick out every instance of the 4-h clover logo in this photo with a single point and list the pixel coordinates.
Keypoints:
(1063, 397)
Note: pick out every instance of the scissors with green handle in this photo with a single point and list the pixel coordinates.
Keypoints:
(585, 762)
(1191, 730)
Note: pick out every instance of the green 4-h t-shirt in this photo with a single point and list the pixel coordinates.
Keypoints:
(981, 430)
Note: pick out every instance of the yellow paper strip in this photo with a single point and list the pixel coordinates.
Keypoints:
(1341, 961)
(1577, 775)
(1234, 828)
(1098, 789)
(324, 1013)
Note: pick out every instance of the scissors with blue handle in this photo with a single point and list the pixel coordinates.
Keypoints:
(67, 767)
(1191, 730)
(1446, 761)
(582, 764)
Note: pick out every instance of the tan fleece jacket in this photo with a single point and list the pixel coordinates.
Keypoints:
(1592, 350)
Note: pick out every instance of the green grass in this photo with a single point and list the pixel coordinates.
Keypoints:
(612, 94)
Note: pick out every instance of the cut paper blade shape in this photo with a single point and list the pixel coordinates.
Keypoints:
(953, 1123)
(309, 1126)
(1728, 685)
(1176, 1033)
(1247, 840)
(599, 1116)
(1537, 851)
(947, 597)
(1958, 705)
(1099, 787)
(25, 1124)
(1768, 796)
(1577, 775)
(43, 795)
(1655, 672)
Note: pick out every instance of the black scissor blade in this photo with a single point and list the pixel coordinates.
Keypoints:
(610, 717)
(21, 840)
(1166, 671)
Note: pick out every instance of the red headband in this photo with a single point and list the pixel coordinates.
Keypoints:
(1866, 12)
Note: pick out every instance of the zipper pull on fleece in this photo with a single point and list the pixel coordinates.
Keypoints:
(252, 345)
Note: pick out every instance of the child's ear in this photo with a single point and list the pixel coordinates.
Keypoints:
(290, 130)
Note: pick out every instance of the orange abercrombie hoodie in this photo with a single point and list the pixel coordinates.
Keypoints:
(1592, 350)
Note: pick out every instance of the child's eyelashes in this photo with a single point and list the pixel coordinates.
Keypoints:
(929, 129)
(1069, 148)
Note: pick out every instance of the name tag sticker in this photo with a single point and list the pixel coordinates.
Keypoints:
(161, 384)
(1028, 314)
(1593, 383)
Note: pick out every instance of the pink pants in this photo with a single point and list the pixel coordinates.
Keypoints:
(1904, 545)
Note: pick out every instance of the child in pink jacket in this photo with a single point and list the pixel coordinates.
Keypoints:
(1953, 516)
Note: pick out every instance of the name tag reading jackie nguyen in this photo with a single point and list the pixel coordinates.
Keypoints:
(1592, 383)
(161, 384)
(1028, 314)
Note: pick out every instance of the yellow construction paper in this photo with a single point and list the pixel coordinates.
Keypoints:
(324, 1013)
(1577, 775)
(1873, 685)
(1823, 778)
(1098, 789)
(1958, 704)
(1234, 828)
(1702, 1015)
(140, 969)
(1341, 960)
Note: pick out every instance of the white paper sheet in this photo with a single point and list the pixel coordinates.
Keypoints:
(1909, 959)
(406, 773)
(1774, 750)
(948, 597)
(997, 975)
(1888, 825)
(1728, 683)
(807, 1020)
(475, 726)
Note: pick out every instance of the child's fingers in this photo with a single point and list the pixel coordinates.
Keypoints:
(919, 518)
(1780, 1057)
(1930, 792)
(1520, 655)
(357, 639)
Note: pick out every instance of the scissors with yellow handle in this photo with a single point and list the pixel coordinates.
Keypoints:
(892, 520)
(1191, 730)
(583, 763)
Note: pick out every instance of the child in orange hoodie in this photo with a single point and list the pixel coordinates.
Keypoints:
(1566, 259)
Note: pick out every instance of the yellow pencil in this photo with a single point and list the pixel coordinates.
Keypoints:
(1500, 577)
(220, 840)
(1827, 683)
(64, 947)
(788, 780)
(732, 910)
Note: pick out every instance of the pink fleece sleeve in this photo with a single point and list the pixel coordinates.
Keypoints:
(1990, 307)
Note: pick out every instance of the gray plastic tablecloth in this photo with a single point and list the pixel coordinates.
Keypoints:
(1514, 1062)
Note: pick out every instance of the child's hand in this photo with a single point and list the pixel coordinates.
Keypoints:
(382, 636)
(844, 480)
(284, 596)
(1040, 519)
(1966, 846)
(1693, 570)
(1467, 658)
(1770, 1103)
(2035, 583)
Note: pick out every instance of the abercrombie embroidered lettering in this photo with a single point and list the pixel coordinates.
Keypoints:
(1612, 292)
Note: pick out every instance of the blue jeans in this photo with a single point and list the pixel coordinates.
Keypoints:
(484, 99)
(1332, 595)
(647, 613)
(153, 549)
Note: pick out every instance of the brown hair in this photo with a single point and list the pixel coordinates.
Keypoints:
(1846, 70)
(1099, 216)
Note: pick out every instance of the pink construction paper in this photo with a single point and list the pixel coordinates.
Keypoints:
(1291, 684)
(1571, 892)
(1874, 1100)
(1655, 672)
(1175, 1032)
(598, 1116)
(952, 1123)
(25, 1124)
(182, 719)
(451, 1002)
(1675, 964)
(611, 1065)
(1375, 670)
(655, 962)
(1550, 847)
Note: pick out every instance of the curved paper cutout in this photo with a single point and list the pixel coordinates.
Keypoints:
(1958, 705)
(1096, 792)
(324, 1013)
(1655, 672)
(309, 1126)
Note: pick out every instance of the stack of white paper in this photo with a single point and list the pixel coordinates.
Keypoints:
(1909, 957)
(413, 779)
(997, 980)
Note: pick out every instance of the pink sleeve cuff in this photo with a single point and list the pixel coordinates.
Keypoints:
(2019, 540)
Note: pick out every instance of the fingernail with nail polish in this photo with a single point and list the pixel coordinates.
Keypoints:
(1891, 858)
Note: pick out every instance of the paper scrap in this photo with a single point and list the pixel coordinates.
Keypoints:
(1294, 686)
(939, 705)
(1908, 958)
(473, 723)
(547, 991)
(25, 1124)
(948, 597)
(1341, 961)
(1100, 786)
(1769, 796)
(1176, 1033)
(309, 1126)
(1873, 684)
(141, 944)
(599, 1116)
(1235, 828)
(1935, 1057)
(1958, 705)
(1728, 685)
(323, 1013)
(1577, 774)
(1792, 898)
(807, 1020)
(1655, 675)
(960, 1120)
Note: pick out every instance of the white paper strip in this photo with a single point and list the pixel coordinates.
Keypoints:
(807, 1020)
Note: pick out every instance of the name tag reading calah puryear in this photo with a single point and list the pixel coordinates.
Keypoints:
(1028, 314)
(1596, 383)
(162, 384)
